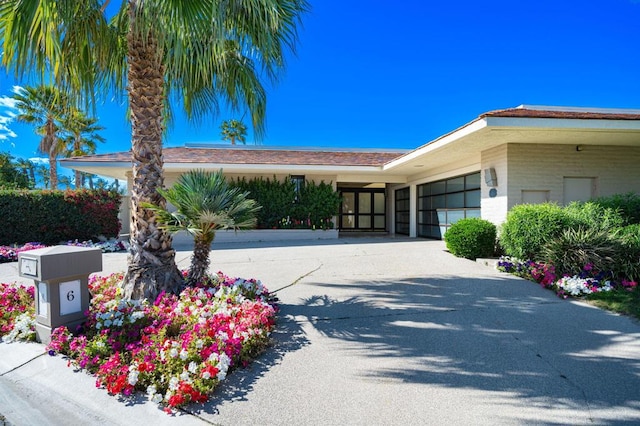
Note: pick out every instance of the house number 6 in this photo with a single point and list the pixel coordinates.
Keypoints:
(70, 296)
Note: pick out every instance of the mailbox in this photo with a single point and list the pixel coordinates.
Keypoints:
(61, 278)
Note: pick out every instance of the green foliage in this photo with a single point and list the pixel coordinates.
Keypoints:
(316, 205)
(471, 238)
(592, 215)
(276, 198)
(570, 251)
(313, 208)
(628, 258)
(11, 176)
(627, 204)
(51, 217)
(624, 302)
(529, 226)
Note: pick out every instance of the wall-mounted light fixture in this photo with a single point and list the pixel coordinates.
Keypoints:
(490, 177)
(579, 148)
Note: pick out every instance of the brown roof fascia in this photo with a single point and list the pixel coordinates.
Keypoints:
(585, 115)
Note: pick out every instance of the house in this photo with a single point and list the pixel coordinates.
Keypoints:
(528, 154)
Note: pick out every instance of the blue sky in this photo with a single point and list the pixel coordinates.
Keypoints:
(375, 74)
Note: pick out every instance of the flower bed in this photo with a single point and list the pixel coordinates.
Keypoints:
(176, 348)
(10, 254)
(589, 281)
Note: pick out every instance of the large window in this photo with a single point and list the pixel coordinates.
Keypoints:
(402, 211)
(443, 203)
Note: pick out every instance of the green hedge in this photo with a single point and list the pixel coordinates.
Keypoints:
(529, 226)
(51, 217)
(312, 208)
(471, 238)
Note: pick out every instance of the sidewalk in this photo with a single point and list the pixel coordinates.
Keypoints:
(376, 332)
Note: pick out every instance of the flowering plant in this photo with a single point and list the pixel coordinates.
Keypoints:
(17, 312)
(588, 281)
(176, 348)
(107, 246)
(10, 254)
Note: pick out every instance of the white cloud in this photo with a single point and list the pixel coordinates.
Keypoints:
(8, 112)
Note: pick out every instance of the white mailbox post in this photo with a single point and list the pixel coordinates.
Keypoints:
(61, 277)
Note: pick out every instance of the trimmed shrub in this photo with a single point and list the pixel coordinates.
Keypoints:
(312, 208)
(530, 226)
(471, 238)
(574, 249)
(51, 217)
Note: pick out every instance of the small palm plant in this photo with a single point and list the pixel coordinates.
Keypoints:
(204, 203)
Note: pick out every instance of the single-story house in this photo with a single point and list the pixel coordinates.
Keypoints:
(528, 154)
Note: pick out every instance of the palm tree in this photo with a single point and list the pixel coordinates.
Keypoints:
(29, 169)
(43, 171)
(66, 181)
(81, 136)
(44, 107)
(232, 130)
(201, 52)
(205, 203)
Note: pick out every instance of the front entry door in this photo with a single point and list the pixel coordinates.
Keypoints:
(363, 210)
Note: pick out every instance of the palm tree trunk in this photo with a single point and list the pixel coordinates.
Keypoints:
(151, 266)
(199, 260)
(53, 171)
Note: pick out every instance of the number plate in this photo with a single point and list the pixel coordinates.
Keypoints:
(70, 297)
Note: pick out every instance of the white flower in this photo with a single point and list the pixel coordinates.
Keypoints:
(173, 352)
(184, 376)
(184, 354)
(173, 383)
(193, 367)
(133, 377)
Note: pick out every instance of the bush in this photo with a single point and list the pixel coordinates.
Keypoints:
(628, 260)
(312, 208)
(54, 216)
(471, 238)
(529, 226)
(627, 204)
(591, 215)
(574, 249)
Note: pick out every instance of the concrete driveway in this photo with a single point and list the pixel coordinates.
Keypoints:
(385, 332)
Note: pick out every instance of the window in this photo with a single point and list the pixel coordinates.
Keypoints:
(442, 203)
(298, 182)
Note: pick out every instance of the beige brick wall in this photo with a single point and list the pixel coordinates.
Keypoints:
(538, 167)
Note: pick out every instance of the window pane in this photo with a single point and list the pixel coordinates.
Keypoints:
(364, 202)
(472, 198)
(378, 202)
(437, 202)
(472, 181)
(455, 184)
(442, 216)
(364, 221)
(438, 187)
(454, 215)
(423, 190)
(348, 202)
(349, 221)
(455, 201)
(473, 213)
(379, 222)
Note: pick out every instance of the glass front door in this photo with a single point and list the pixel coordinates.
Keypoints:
(363, 210)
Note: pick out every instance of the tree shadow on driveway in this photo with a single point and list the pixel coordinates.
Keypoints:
(488, 334)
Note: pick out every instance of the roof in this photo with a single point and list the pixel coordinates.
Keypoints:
(537, 111)
(250, 155)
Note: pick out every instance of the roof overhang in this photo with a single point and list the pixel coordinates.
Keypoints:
(489, 132)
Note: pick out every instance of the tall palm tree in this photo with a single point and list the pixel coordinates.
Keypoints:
(44, 107)
(201, 52)
(80, 136)
(205, 203)
(233, 130)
